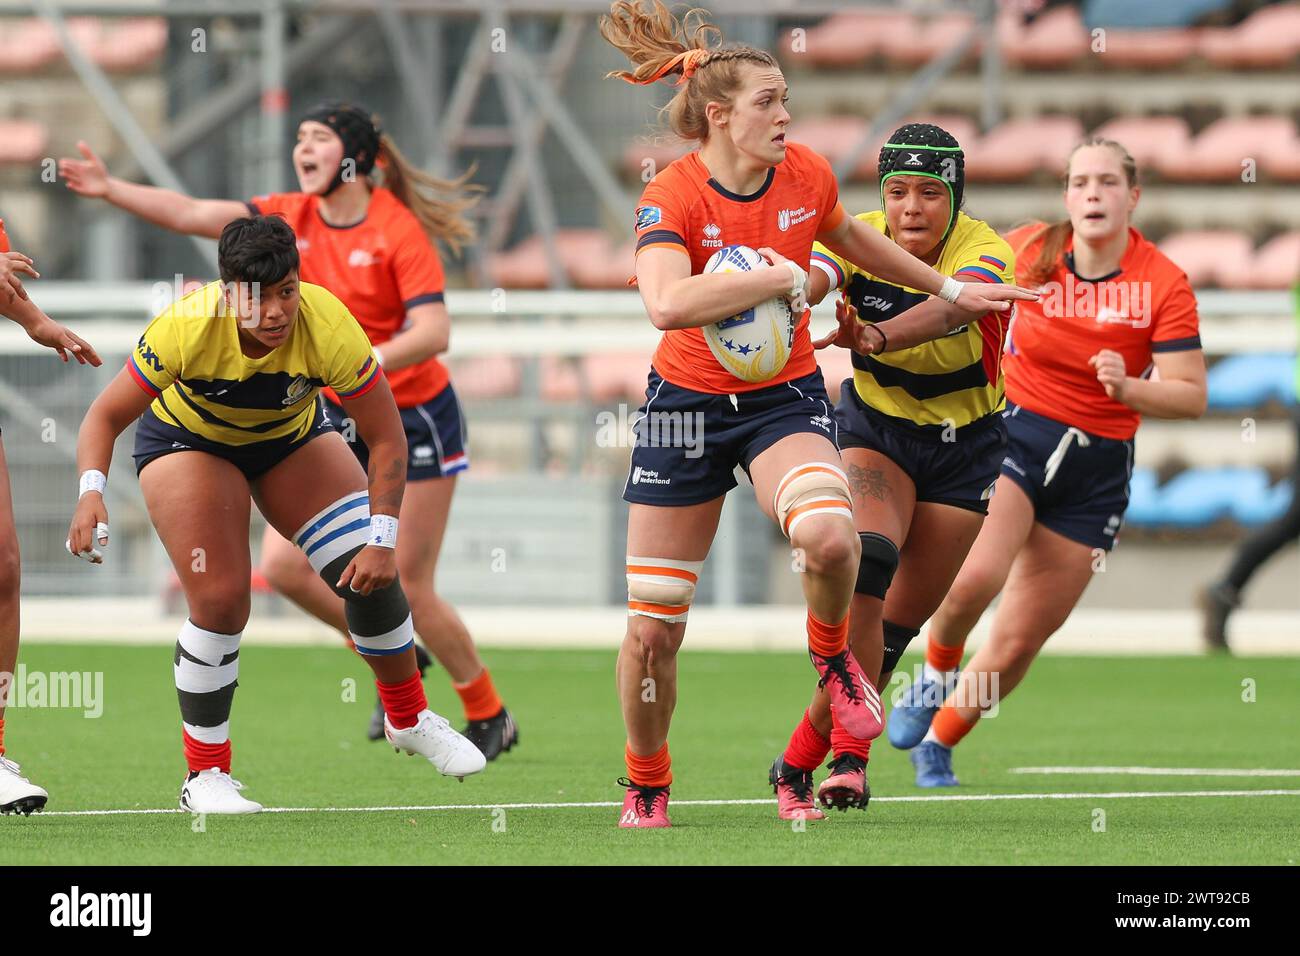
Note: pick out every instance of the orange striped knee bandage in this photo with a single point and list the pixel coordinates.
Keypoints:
(661, 587)
(815, 488)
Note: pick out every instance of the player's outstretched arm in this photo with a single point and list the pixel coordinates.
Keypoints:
(930, 320)
(118, 405)
(380, 426)
(675, 299)
(871, 249)
(426, 333)
(89, 177)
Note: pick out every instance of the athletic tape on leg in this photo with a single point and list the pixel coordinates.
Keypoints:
(335, 530)
(661, 588)
(814, 488)
(206, 670)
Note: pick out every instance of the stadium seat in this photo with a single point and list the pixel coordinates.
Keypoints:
(22, 141)
(1272, 503)
(1143, 498)
(1054, 41)
(847, 39)
(1208, 256)
(26, 46)
(1249, 381)
(832, 136)
(1219, 152)
(525, 265)
(1276, 264)
(489, 376)
(1268, 38)
(1146, 49)
(934, 37)
(1201, 496)
(131, 44)
(617, 376)
(1148, 138)
(1019, 148)
(660, 151)
(1280, 158)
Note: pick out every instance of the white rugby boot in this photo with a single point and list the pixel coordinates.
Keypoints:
(17, 793)
(451, 754)
(212, 791)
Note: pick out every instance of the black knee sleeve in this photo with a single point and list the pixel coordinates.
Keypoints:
(877, 566)
(379, 612)
(897, 638)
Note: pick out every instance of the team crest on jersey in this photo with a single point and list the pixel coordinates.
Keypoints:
(359, 258)
(712, 236)
(648, 216)
(298, 390)
(792, 217)
(783, 220)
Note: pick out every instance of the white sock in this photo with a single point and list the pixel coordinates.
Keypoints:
(940, 677)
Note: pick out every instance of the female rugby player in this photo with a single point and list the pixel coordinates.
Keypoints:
(919, 431)
(371, 246)
(1114, 337)
(224, 386)
(17, 793)
(745, 185)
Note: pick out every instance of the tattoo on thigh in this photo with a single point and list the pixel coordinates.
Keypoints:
(868, 483)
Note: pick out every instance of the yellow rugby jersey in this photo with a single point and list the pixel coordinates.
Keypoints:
(189, 359)
(954, 380)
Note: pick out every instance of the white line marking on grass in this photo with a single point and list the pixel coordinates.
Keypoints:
(1163, 771)
(919, 798)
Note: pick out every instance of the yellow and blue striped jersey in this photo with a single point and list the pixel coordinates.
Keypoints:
(949, 382)
(190, 361)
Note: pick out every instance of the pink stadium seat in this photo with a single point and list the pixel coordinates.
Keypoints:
(610, 271)
(1148, 138)
(934, 37)
(560, 381)
(849, 39)
(581, 251)
(488, 376)
(26, 46)
(1053, 41)
(1281, 158)
(1218, 153)
(660, 155)
(1277, 263)
(617, 376)
(132, 44)
(1270, 37)
(832, 136)
(1018, 148)
(1147, 49)
(1210, 257)
(22, 141)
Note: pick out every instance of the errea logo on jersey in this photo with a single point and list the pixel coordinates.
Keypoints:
(712, 233)
(359, 258)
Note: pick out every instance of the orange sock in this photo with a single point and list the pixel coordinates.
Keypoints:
(2, 735)
(943, 658)
(655, 770)
(949, 727)
(827, 640)
(479, 697)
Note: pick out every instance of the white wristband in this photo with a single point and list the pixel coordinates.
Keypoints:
(92, 480)
(798, 276)
(383, 531)
(379, 357)
(950, 289)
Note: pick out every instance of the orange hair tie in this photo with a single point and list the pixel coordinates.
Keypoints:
(690, 61)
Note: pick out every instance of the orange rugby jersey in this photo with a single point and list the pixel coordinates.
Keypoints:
(1144, 307)
(684, 208)
(379, 268)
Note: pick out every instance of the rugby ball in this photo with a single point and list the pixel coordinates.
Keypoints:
(753, 345)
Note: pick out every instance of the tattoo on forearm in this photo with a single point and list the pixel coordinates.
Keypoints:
(868, 483)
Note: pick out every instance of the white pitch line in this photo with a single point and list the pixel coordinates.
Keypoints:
(1162, 771)
(919, 798)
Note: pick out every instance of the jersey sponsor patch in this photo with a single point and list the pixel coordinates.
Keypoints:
(647, 216)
